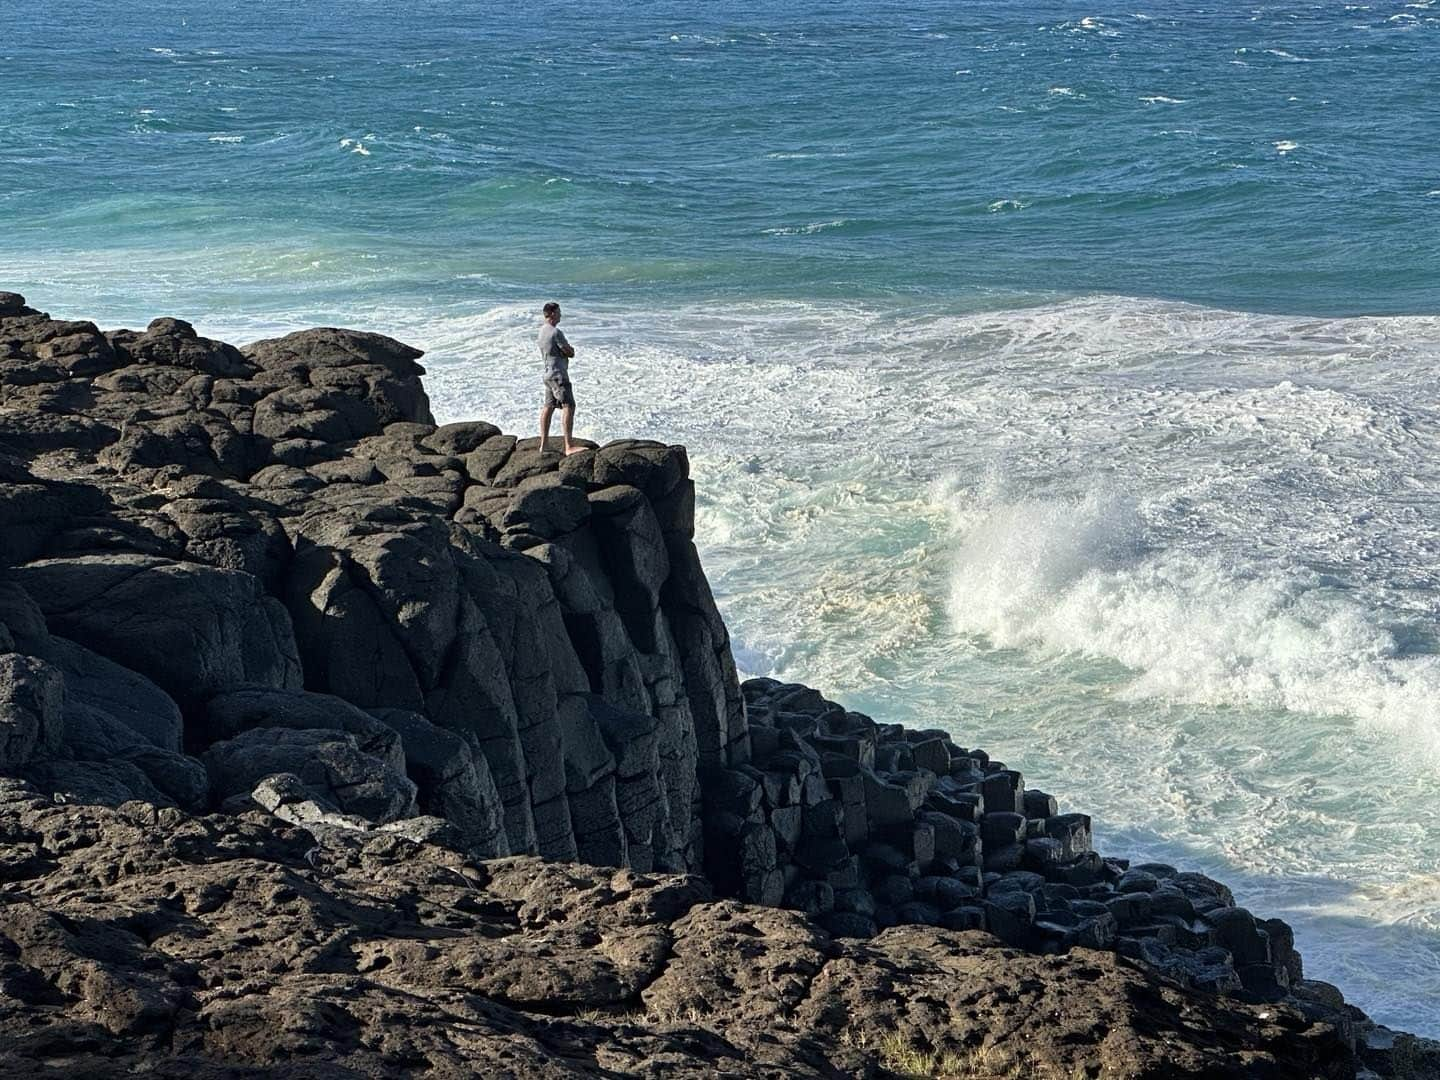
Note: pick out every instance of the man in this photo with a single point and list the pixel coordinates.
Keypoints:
(555, 354)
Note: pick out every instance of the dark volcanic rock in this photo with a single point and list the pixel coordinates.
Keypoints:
(377, 372)
(330, 763)
(173, 342)
(193, 629)
(232, 947)
(31, 710)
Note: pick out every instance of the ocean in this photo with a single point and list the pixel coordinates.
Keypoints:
(1063, 375)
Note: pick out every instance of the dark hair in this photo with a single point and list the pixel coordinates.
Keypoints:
(552, 308)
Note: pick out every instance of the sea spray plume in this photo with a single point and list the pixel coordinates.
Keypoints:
(1018, 560)
(1077, 576)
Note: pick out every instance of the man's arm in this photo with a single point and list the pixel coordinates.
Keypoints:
(565, 346)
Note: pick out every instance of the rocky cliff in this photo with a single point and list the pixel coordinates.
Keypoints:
(308, 660)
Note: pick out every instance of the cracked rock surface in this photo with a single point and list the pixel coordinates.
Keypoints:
(143, 941)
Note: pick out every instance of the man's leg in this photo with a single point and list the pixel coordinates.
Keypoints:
(567, 421)
(546, 411)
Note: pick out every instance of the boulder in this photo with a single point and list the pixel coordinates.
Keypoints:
(32, 703)
(377, 370)
(96, 783)
(461, 438)
(327, 762)
(228, 714)
(175, 342)
(194, 630)
(125, 696)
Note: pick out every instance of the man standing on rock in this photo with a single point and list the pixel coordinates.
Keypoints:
(555, 354)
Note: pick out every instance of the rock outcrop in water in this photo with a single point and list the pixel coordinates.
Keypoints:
(326, 658)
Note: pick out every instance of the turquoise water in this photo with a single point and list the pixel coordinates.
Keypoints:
(1064, 375)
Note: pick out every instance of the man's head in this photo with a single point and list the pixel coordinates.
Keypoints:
(552, 312)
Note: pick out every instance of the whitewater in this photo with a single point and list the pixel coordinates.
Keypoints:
(1066, 378)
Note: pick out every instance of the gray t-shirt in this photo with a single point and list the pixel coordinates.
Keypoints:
(552, 352)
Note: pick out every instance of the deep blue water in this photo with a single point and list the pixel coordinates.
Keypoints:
(932, 151)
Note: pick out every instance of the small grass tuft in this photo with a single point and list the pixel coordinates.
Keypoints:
(914, 1063)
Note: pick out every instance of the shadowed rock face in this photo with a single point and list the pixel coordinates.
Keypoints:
(136, 940)
(264, 582)
(278, 540)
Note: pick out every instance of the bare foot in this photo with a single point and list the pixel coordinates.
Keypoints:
(573, 450)
(544, 449)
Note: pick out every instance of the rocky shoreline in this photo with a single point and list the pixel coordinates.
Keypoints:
(337, 736)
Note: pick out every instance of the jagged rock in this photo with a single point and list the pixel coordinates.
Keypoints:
(374, 369)
(79, 348)
(197, 442)
(174, 342)
(454, 782)
(230, 714)
(192, 629)
(234, 525)
(32, 703)
(330, 763)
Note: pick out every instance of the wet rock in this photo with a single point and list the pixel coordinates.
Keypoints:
(1235, 930)
(1004, 791)
(1010, 915)
(1039, 805)
(288, 516)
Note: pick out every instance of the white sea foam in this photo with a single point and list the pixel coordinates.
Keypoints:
(227, 138)
(1285, 146)
(1161, 99)
(805, 230)
(1001, 205)
(1077, 576)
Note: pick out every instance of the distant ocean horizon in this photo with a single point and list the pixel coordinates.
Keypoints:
(1067, 377)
